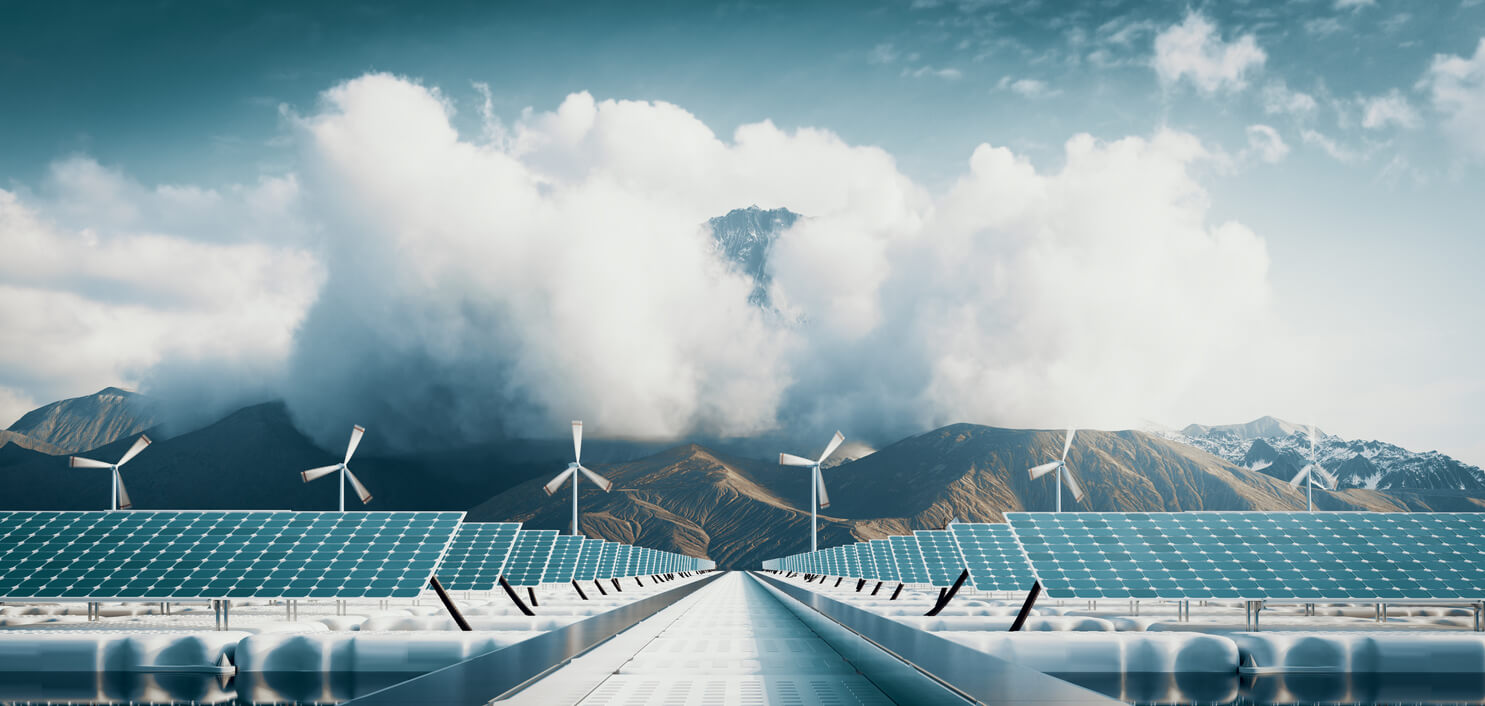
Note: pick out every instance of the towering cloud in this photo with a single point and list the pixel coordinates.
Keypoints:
(558, 267)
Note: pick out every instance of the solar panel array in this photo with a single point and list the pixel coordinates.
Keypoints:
(940, 556)
(881, 550)
(196, 554)
(909, 558)
(864, 558)
(587, 566)
(1257, 556)
(477, 555)
(992, 556)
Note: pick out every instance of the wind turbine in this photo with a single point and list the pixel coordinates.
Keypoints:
(1310, 473)
(345, 471)
(1060, 466)
(572, 472)
(119, 500)
(818, 498)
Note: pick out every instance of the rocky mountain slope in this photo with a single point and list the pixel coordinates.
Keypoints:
(82, 423)
(744, 237)
(1280, 449)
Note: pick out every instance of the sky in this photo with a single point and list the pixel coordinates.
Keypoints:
(457, 221)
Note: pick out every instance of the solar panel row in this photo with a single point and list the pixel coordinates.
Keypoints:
(239, 554)
(1298, 556)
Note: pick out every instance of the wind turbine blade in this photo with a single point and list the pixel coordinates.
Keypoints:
(598, 480)
(360, 489)
(1067, 443)
(1041, 470)
(80, 462)
(134, 450)
(1327, 479)
(555, 483)
(792, 460)
(320, 472)
(357, 432)
(820, 481)
(1299, 477)
(577, 441)
(834, 444)
(124, 502)
(1072, 484)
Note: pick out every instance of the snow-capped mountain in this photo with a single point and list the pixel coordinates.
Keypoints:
(1280, 449)
(744, 237)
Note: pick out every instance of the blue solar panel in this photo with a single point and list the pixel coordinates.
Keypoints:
(193, 554)
(851, 565)
(864, 559)
(909, 559)
(477, 555)
(940, 556)
(607, 560)
(587, 567)
(529, 558)
(881, 550)
(1301, 556)
(624, 560)
(993, 557)
(563, 561)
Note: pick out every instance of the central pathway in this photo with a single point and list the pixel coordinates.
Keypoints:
(733, 645)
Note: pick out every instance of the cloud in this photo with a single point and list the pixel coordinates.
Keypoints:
(1278, 99)
(948, 74)
(1265, 144)
(1195, 50)
(883, 53)
(89, 307)
(1323, 26)
(1027, 87)
(1456, 88)
(1353, 4)
(458, 289)
(1389, 109)
(1331, 147)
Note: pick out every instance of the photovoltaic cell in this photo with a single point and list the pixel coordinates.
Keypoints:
(851, 562)
(607, 560)
(529, 558)
(587, 567)
(940, 556)
(993, 557)
(623, 560)
(563, 562)
(909, 559)
(477, 555)
(195, 554)
(881, 550)
(1300, 556)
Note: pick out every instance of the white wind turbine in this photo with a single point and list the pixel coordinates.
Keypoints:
(572, 472)
(1060, 466)
(818, 498)
(1312, 473)
(345, 470)
(119, 500)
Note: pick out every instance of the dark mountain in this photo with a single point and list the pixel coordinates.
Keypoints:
(83, 423)
(251, 459)
(744, 236)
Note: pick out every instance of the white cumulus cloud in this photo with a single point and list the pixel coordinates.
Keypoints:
(1456, 87)
(1389, 109)
(1265, 144)
(1194, 50)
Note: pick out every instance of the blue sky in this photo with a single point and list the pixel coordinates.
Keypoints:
(1345, 135)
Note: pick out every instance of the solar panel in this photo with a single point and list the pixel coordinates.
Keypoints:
(993, 557)
(837, 566)
(881, 550)
(909, 559)
(477, 555)
(587, 566)
(1301, 556)
(563, 562)
(623, 560)
(195, 554)
(940, 556)
(864, 560)
(529, 558)
(607, 559)
(849, 561)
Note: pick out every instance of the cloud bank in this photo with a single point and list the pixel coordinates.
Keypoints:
(446, 288)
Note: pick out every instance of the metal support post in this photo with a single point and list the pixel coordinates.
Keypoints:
(448, 603)
(944, 596)
(531, 592)
(513, 597)
(895, 592)
(878, 588)
(599, 584)
(1036, 590)
(579, 590)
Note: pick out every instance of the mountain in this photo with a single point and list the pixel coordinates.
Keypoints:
(744, 237)
(82, 423)
(1280, 449)
(12, 442)
(739, 511)
(251, 459)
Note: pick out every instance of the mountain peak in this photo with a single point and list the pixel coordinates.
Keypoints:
(84, 423)
(1265, 427)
